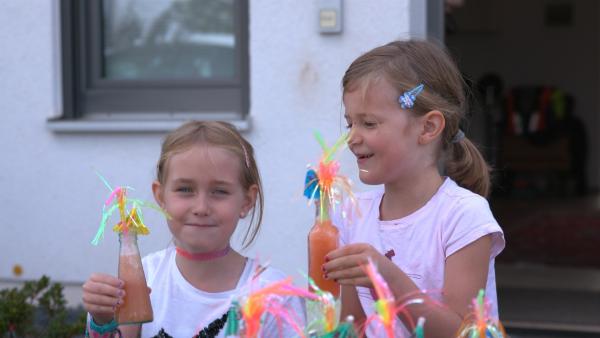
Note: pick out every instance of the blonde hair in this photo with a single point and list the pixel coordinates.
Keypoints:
(225, 136)
(405, 65)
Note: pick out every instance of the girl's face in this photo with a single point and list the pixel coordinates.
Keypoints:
(203, 195)
(383, 136)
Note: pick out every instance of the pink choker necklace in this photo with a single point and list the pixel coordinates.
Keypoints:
(204, 256)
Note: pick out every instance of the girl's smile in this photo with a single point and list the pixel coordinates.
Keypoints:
(200, 225)
(363, 158)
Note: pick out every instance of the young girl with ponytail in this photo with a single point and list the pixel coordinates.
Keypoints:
(429, 227)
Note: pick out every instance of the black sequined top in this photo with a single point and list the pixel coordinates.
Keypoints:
(210, 331)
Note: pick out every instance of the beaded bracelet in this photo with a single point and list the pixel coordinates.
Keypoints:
(102, 330)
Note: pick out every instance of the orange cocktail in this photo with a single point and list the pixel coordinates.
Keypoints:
(136, 307)
(322, 239)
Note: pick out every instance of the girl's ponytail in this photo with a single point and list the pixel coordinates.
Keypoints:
(465, 165)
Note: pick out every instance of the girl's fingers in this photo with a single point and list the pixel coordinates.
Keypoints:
(349, 273)
(102, 294)
(92, 287)
(345, 262)
(106, 279)
(350, 249)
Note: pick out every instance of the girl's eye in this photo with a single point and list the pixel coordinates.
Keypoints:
(184, 189)
(220, 192)
(369, 124)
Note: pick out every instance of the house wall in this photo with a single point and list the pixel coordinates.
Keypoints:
(51, 199)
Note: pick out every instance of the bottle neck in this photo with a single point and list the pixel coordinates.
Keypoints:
(128, 241)
(128, 236)
(322, 208)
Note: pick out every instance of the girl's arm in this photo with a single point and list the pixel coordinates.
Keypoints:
(351, 306)
(465, 274)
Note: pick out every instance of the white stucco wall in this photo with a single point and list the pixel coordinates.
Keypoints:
(50, 198)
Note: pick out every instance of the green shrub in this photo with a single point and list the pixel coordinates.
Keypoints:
(37, 309)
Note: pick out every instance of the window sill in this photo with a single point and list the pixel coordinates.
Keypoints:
(61, 126)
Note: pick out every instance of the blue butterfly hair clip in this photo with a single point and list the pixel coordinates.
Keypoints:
(407, 99)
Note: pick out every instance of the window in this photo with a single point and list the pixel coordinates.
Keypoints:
(154, 60)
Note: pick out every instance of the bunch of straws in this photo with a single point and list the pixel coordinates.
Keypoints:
(325, 310)
(246, 314)
(386, 311)
(479, 324)
(323, 184)
(130, 212)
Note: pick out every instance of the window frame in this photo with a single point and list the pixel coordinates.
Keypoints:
(88, 96)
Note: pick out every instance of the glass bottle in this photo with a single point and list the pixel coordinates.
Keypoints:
(136, 307)
(322, 239)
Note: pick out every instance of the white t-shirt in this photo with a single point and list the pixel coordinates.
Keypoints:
(183, 310)
(422, 241)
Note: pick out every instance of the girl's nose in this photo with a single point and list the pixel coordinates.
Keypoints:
(353, 137)
(201, 206)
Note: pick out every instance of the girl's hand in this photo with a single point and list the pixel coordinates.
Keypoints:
(345, 265)
(102, 294)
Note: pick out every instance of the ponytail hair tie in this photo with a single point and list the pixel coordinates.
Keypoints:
(459, 136)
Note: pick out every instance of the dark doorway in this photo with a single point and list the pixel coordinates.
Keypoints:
(533, 67)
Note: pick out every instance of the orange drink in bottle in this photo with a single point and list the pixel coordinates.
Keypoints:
(136, 307)
(322, 239)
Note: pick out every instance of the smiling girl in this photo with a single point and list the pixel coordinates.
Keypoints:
(426, 228)
(207, 180)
